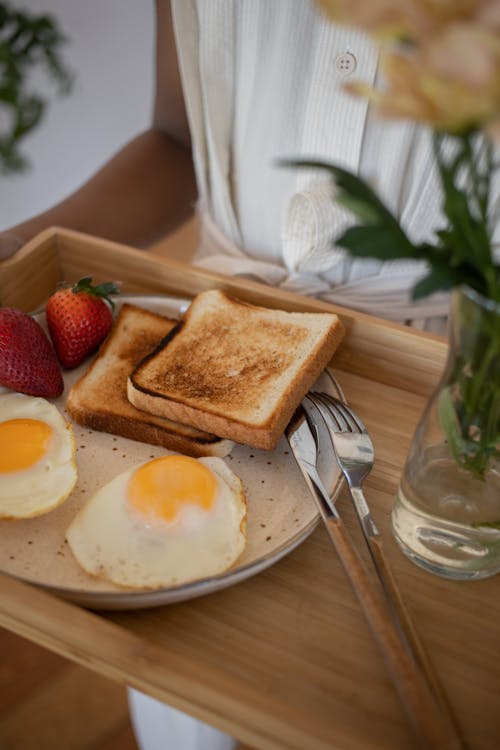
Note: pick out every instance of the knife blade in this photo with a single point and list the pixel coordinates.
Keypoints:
(303, 445)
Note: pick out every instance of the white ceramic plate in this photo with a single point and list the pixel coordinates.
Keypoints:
(281, 513)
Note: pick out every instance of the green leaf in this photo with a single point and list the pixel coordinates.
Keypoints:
(349, 184)
(461, 273)
(451, 425)
(379, 241)
(462, 254)
(363, 210)
(437, 280)
(469, 233)
(383, 237)
(27, 42)
(103, 291)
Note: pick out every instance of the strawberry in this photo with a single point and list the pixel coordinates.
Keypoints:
(28, 363)
(79, 318)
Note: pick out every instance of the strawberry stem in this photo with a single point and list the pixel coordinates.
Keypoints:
(103, 290)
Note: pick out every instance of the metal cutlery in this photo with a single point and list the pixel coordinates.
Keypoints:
(353, 449)
(304, 448)
(432, 725)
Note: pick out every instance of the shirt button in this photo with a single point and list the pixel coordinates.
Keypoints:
(345, 64)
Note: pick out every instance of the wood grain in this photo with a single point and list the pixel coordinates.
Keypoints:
(49, 703)
(285, 659)
(430, 724)
(411, 634)
(380, 347)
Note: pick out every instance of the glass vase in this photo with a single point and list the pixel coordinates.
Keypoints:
(446, 517)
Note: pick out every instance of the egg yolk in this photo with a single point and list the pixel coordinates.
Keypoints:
(23, 442)
(158, 490)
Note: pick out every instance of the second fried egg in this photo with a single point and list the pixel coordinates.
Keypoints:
(169, 521)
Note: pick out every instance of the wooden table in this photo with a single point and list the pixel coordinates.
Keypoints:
(284, 659)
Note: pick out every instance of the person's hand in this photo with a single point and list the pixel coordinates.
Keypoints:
(9, 244)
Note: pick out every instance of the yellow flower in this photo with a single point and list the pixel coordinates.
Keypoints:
(410, 19)
(493, 129)
(385, 18)
(488, 14)
(450, 82)
(466, 53)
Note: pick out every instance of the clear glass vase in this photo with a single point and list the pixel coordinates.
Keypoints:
(446, 517)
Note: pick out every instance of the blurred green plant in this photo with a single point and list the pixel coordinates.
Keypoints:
(28, 42)
(440, 64)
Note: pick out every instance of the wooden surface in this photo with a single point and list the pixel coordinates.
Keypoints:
(285, 659)
(50, 703)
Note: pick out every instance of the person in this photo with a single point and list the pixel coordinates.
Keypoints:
(254, 83)
(241, 87)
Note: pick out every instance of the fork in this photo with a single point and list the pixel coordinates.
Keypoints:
(353, 449)
(430, 723)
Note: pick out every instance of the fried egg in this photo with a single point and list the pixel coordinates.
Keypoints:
(166, 522)
(37, 456)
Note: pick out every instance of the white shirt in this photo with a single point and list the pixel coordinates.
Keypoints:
(264, 81)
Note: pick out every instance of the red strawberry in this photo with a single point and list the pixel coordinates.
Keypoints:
(27, 360)
(79, 318)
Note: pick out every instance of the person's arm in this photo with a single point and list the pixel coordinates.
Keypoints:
(148, 187)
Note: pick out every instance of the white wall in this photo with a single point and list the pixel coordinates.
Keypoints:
(111, 51)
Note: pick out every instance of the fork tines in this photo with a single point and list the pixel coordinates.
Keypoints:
(346, 419)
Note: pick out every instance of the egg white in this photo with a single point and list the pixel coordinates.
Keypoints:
(46, 484)
(111, 542)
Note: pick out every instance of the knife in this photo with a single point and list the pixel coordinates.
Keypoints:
(303, 445)
(433, 728)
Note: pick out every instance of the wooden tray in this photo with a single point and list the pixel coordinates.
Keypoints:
(285, 659)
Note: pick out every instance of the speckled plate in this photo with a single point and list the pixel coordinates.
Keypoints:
(281, 513)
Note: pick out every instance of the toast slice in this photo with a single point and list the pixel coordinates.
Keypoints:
(235, 369)
(98, 400)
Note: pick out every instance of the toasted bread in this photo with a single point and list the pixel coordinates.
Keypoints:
(235, 369)
(99, 398)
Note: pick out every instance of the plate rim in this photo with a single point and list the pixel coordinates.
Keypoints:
(143, 599)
